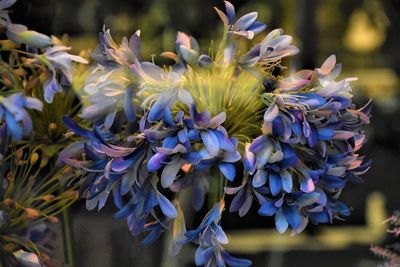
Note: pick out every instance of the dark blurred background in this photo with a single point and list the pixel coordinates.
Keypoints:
(364, 35)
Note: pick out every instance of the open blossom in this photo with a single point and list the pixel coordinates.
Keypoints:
(110, 83)
(210, 237)
(13, 112)
(245, 26)
(59, 62)
(208, 121)
(273, 47)
(106, 90)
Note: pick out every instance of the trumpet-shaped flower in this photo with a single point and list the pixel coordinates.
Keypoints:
(245, 26)
(210, 237)
(13, 112)
(272, 48)
(59, 61)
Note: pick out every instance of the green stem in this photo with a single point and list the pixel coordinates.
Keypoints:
(68, 238)
(217, 184)
(1, 187)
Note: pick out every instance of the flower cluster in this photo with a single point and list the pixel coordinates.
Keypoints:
(33, 58)
(158, 131)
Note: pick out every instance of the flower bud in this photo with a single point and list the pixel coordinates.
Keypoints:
(34, 158)
(31, 213)
(53, 219)
(9, 203)
(47, 197)
(21, 35)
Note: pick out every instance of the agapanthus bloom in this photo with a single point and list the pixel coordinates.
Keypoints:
(59, 61)
(14, 112)
(160, 130)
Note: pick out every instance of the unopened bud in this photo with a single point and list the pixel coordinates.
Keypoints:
(19, 153)
(31, 213)
(53, 219)
(10, 203)
(34, 158)
(48, 197)
(71, 194)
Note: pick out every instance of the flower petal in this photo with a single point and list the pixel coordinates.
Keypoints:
(275, 183)
(170, 172)
(292, 216)
(236, 262)
(129, 108)
(166, 206)
(246, 21)
(267, 208)
(203, 255)
(228, 169)
(281, 223)
(210, 140)
(260, 178)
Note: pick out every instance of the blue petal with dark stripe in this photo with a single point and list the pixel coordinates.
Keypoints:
(267, 208)
(275, 183)
(292, 216)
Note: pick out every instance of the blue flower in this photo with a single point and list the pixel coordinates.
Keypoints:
(210, 237)
(110, 86)
(288, 210)
(218, 150)
(59, 61)
(108, 53)
(272, 165)
(120, 170)
(138, 209)
(13, 112)
(108, 90)
(272, 48)
(187, 50)
(294, 167)
(172, 155)
(245, 26)
(160, 89)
